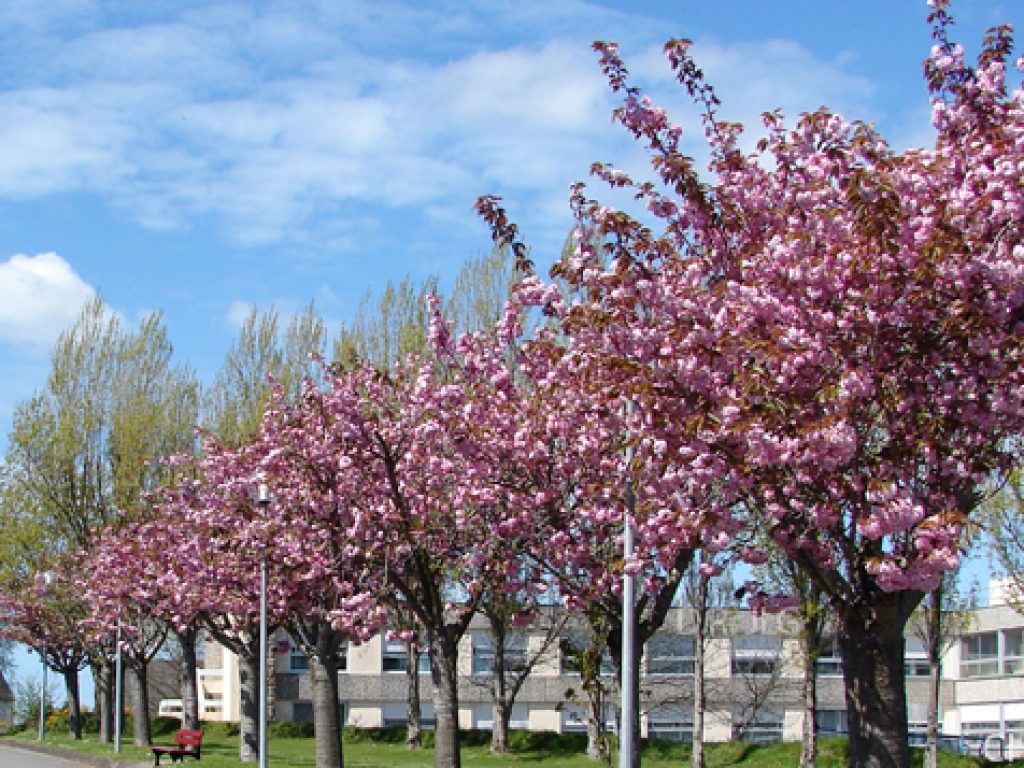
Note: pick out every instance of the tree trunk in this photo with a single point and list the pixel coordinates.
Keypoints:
(141, 731)
(444, 672)
(187, 684)
(74, 704)
(809, 736)
(697, 755)
(501, 712)
(499, 731)
(934, 635)
(699, 688)
(876, 697)
(595, 730)
(326, 710)
(103, 674)
(248, 720)
(412, 691)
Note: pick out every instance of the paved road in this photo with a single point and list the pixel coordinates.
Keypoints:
(13, 757)
(21, 758)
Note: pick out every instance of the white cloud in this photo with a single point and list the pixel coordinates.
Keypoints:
(277, 126)
(238, 313)
(40, 296)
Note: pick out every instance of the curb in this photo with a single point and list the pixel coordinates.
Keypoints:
(67, 754)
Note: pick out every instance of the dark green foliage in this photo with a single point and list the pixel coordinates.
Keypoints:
(290, 730)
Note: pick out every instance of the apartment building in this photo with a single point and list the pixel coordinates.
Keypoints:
(752, 668)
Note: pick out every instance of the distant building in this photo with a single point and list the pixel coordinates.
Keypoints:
(752, 666)
(6, 704)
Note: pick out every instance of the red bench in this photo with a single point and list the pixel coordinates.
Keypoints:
(186, 744)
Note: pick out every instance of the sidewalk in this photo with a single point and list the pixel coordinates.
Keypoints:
(76, 757)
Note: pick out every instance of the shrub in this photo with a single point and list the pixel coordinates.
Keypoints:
(285, 729)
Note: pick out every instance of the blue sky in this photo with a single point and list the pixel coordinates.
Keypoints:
(201, 158)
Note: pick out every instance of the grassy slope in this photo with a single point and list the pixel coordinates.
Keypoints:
(220, 750)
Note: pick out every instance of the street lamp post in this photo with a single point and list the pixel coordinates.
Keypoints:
(118, 688)
(263, 499)
(629, 681)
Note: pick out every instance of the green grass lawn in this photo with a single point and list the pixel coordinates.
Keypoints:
(362, 750)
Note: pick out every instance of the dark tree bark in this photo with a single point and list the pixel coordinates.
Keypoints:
(809, 693)
(413, 728)
(326, 710)
(934, 635)
(876, 699)
(324, 646)
(499, 731)
(248, 720)
(68, 662)
(701, 609)
(103, 676)
(74, 704)
(187, 684)
(243, 641)
(142, 734)
(444, 673)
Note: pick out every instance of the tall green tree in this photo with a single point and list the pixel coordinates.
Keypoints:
(85, 447)
(386, 329)
(1003, 523)
(264, 349)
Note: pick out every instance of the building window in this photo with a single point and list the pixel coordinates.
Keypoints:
(670, 654)
(395, 715)
(671, 724)
(395, 657)
(483, 717)
(915, 659)
(298, 661)
(764, 728)
(1014, 739)
(302, 711)
(975, 735)
(515, 656)
(756, 655)
(979, 655)
(572, 646)
(830, 661)
(1013, 652)
(574, 718)
(831, 722)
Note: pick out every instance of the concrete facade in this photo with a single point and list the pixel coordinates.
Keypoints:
(753, 681)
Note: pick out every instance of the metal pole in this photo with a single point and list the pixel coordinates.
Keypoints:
(42, 699)
(629, 681)
(264, 502)
(263, 664)
(118, 688)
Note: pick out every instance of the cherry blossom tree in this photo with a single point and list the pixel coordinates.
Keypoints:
(139, 590)
(431, 449)
(330, 589)
(45, 613)
(224, 536)
(622, 408)
(842, 323)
